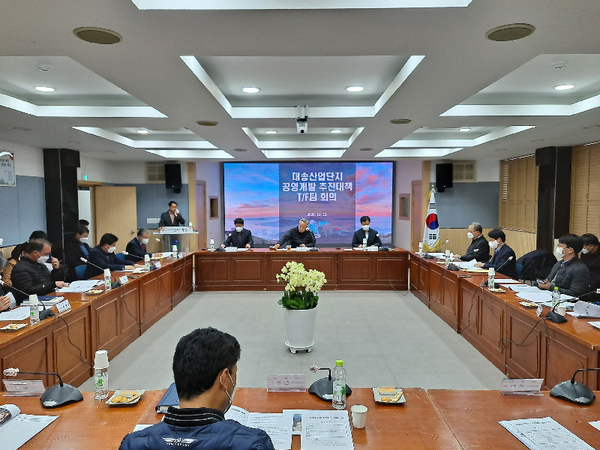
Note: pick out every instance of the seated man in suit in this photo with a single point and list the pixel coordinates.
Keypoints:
(366, 232)
(205, 373)
(171, 218)
(75, 249)
(502, 252)
(137, 246)
(103, 255)
(300, 236)
(31, 275)
(479, 249)
(569, 274)
(239, 238)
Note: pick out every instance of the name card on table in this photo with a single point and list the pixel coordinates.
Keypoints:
(157, 265)
(521, 386)
(23, 388)
(123, 279)
(231, 249)
(301, 249)
(63, 306)
(286, 383)
(372, 249)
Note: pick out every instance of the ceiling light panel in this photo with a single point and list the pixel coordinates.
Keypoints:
(286, 4)
(153, 141)
(191, 154)
(303, 154)
(316, 138)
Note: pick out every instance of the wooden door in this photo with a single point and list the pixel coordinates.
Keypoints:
(416, 213)
(115, 210)
(201, 212)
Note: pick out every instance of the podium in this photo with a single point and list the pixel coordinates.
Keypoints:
(181, 234)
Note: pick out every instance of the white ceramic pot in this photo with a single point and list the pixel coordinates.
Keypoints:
(300, 327)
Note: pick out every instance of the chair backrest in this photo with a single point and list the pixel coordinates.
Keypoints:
(80, 271)
(120, 256)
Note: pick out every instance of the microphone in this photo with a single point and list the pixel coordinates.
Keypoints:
(484, 282)
(574, 392)
(131, 254)
(44, 314)
(58, 395)
(115, 284)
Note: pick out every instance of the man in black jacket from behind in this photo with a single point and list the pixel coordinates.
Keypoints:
(31, 275)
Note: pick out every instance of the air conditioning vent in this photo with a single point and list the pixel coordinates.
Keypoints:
(463, 172)
(155, 173)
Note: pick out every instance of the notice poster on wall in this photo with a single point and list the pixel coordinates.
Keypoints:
(332, 196)
(7, 169)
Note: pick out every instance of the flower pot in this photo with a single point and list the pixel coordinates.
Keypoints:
(300, 328)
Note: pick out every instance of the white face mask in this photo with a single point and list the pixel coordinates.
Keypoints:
(145, 241)
(112, 249)
(470, 235)
(1, 241)
(42, 260)
(366, 227)
(239, 229)
(86, 239)
(585, 251)
(559, 252)
(232, 394)
(493, 244)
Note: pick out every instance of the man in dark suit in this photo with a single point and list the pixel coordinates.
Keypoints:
(367, 232)
(502, 253)
(103, 255)
(137, 246)
(171, 218)
(239, 238)
(75, 249)
(479, 248)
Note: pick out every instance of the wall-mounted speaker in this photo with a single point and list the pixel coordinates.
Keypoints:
(173, 177)
(443, 176)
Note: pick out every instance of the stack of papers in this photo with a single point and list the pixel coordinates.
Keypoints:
(544, 434)
(467, 264)
(585, 310)
(80, 286)
(21, 313)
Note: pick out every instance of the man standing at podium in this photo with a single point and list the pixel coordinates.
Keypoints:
(366, 232)
(239, 238)
(171, 218)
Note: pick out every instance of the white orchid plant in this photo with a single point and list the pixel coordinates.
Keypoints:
(301, 286)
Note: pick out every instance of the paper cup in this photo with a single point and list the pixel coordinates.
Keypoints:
(359, 415)
(101, 360)
(561, 309)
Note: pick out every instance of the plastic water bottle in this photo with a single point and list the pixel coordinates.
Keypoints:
(34, 311)
(107, 285)
(212, 244)
(147, 263)
(364, 242)
(175, 252)
(420, 249)
(101, 375)
(338, 401)
(555, 297)
(491, 276)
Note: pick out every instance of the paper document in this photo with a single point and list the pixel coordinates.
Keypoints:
(326, 430)
(509, 281)
(586, 310)
(21, 313)
(544, 434)
(80, 286)
(277, 426)
(467, 264)
(17, 429)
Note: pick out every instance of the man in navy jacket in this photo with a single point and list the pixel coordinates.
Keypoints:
(137, 246)
(103, 255)
(366, 231)
(239, 238)
(205, 372)
(502, 252)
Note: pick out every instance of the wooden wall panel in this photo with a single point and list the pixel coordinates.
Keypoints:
(33, 354)
(68, 362)
(524, 353)
(247, 269)
(518, 194)
(585, 190)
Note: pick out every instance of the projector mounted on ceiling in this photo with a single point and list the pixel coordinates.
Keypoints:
(302, 119)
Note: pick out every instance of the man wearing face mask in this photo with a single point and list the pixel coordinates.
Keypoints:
(137, 246)
(103, 255)
(300, 236)
(590, 256)
(479, 249)
(239, 238)
(31, 275)
(205, 373)
(366, 232)
(502, 253)
(75, 249)
(569, 274)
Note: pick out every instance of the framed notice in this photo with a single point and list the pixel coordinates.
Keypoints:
(7, 169)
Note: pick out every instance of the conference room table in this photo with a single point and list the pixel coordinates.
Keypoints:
(344, 268)
(66, 343)
(512, 337)
(430, 419)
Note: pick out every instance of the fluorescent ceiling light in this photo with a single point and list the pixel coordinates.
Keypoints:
(191, 154)
(302, 154)
(271, 132)
(142, 131)
(354, 88)
(336, 131)
(251, 89)
(146, 143)
(564, 87)
(44, 88)
(416, 152)
(464, 129)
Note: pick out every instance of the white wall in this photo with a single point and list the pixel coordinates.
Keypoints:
(211, 173)
(407, 171)
(485, 170)
(29, 161)
(119, 172)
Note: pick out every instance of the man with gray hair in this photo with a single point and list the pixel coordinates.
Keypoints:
(137, 246)
(300, 236)
(479, 248)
